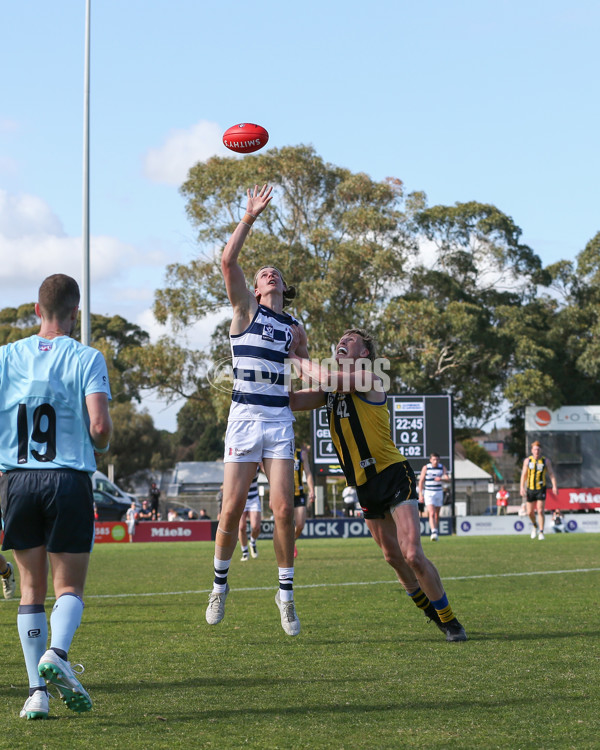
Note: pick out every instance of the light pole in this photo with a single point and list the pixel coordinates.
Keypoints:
(85, 297)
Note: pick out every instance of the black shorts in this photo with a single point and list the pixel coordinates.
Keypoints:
(300, 500)
(394, 485)
(53, 508)
(534, 495)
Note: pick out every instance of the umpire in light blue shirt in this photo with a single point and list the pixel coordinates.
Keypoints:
(54, 417)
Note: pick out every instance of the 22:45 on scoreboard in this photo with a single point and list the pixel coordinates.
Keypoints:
(419, 425)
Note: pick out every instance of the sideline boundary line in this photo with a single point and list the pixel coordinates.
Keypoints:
(347, 583)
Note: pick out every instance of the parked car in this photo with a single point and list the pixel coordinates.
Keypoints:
(101, 482)
(109, 507)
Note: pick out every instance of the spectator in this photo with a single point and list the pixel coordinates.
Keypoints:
(192, 515)
(154, 495)
(558, 522)
(502, 500)
(172, 515)
(145, 513)
(204, 515)
(131, 519)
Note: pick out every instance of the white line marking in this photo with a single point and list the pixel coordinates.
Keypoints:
(348, 583)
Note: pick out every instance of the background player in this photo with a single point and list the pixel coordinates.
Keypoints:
(53, 416)
(533, 487)
(252, 511)
(302, 465)
(431, 491)
(9, 585)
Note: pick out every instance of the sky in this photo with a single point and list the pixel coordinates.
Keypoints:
(496, 102)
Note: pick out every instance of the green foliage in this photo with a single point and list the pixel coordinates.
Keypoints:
(199, 431)
(18, 323)
(467, 324)
(340, 238)
(123, 344)
(478, 455)
(136, 444)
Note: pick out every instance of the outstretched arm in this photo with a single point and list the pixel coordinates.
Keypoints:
(237, 291)
(307, 399)
(339, 380)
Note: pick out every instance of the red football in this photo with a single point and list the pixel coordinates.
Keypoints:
(245, 137)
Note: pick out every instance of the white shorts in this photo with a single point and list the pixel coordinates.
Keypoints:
(253, 505)
(434, 497)
(249, 441)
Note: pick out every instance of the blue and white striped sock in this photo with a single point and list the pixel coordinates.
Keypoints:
(221, 573)
(286, 584)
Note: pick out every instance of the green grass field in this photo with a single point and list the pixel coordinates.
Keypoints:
(367, 670)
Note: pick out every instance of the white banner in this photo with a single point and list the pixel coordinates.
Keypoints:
(492, 525)
(565, 419)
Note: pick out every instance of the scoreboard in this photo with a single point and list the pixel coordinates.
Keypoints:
(419, 426)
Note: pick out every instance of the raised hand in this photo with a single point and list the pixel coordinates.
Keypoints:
(258, 200)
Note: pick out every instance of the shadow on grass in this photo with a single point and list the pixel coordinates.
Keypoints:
(323, 708)
(536, 636)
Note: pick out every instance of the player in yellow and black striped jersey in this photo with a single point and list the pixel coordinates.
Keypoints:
(359, 425)
(302, 469)
(536, 469)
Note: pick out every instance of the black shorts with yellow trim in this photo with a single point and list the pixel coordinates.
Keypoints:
(394, 485)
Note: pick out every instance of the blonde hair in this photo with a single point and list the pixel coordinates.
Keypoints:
(368, 340)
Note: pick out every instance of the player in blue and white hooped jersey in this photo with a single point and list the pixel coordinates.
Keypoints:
(431, 491)
(253, 513)
(260, 425)
(54, 416)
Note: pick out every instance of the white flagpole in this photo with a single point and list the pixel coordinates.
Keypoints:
(85, 296)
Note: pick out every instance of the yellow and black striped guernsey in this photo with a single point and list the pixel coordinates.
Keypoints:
(536, 473)
(360, 432)
(298, 487)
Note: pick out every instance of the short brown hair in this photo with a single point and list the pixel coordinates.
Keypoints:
(58, 295)
(536, 442)
(368, 340)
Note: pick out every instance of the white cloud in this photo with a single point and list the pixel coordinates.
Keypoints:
(170, 162)
(26, 216)
(196, 336)
(33, 244)
(163, 412)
